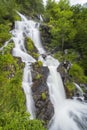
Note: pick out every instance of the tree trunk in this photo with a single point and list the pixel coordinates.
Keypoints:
(62, 42)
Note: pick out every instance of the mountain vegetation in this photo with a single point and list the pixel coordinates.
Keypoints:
(68, 38)
(68, 30)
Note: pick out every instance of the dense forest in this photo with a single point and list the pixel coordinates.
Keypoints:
(65, 36)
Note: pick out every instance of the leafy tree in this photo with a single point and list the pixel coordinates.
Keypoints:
(61, 21)
(30, 7)
(80, 40)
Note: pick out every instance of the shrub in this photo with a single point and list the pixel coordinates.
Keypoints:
(77, 74)
(19, 121)
(8, 48)
(70, 87)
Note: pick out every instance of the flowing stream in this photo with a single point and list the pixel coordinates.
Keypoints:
(68, 114)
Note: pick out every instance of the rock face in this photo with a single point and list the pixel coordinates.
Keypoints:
(45, 36)
(70, 88)
(44, 108)
(63, 70)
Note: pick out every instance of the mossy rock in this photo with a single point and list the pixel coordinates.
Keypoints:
(35, 55)
(38, 76)
(29, 45)
(43, 96)
(38, 64)
(31, 48)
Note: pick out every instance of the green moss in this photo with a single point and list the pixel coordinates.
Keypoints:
(38, 76)
(29, 45)
(39, 63)
(70, 87)
(43, 96)
(35, 55)
(31, 48)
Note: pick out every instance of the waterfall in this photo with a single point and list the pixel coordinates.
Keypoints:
(68, 114)
(79, 89)
(20, 51)
(80, 93)
(5, 44)
(27, 84)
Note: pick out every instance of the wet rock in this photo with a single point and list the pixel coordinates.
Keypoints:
(63, 69)
(44, 108)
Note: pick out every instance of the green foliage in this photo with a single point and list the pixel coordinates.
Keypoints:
(43, 96)
(7, 10)
(8, 48)
(12, 98)
(19, 121)
(80, 40)
(59, 55)
(71, 56)
(30, 7)
(17, 17)
(68, 30)
(60, 18)
(77, 74)
(4, 33)
(11, 94)
(70, 88)
(29, 45)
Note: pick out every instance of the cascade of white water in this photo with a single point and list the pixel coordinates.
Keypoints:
(80, 93)
(20, 51)
(54, 82)
(41, 19)
(68, 114)
(80, 90)
(27, 84)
